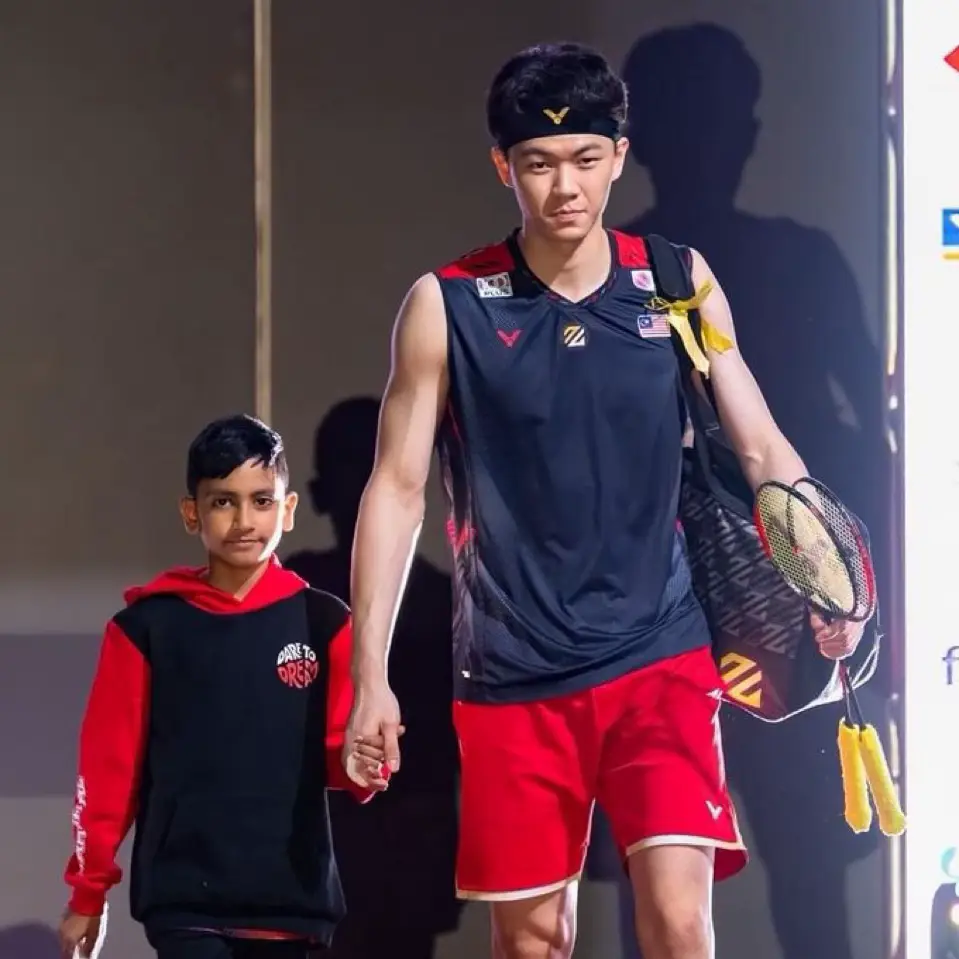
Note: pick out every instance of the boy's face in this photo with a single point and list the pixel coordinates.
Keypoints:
(242, 517)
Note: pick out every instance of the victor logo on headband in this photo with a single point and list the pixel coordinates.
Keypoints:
(532, 122)
(557, 118)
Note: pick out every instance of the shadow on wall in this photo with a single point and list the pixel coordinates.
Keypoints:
(29, 941)
(399, 888)
(801, 328)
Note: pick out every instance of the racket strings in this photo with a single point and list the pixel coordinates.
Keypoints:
(850, 549)
(801, 546)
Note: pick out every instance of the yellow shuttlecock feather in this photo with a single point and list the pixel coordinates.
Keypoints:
(865, 771)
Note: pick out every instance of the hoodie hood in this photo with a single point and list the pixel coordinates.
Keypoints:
(190, 584)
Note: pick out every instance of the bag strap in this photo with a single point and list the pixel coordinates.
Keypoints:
(671, 267)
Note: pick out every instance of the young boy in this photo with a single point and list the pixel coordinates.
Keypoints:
(214, 723)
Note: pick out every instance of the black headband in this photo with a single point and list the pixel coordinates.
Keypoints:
(552, 122)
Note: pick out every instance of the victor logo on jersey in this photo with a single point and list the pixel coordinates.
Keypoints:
(296, 665)
(574, 335)
(643, 280)
(494, 287)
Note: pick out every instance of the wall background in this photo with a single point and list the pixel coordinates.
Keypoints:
(126, 262)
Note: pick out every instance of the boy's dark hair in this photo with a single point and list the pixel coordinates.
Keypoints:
(226, 444)
(569, 74)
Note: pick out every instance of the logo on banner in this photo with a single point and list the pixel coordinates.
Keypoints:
(951, 661)
(950, 234)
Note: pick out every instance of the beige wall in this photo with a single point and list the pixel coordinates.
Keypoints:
(128, 289)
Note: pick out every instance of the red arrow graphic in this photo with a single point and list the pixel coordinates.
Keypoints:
(953, 59)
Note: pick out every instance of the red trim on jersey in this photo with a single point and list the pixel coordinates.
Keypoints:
(486, 261)
(632, 250)
(339, 704)
(112, 739)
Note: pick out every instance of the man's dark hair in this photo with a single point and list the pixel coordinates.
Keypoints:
(226, 444)
(555, 73)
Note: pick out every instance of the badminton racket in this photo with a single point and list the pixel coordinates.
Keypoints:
(820, 550)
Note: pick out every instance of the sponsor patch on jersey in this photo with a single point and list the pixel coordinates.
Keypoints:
(496, 286)
(574, 335)
(643, 280)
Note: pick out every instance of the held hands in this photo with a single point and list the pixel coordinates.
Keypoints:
(78, 935)
(372, 737)
(837, 639)
(366, 764)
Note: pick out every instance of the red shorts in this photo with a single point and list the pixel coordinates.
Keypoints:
(646, 746)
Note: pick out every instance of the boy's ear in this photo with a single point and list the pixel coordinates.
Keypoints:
(190, 515)
(289, 511)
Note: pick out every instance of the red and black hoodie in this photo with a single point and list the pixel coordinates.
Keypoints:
(215, 724)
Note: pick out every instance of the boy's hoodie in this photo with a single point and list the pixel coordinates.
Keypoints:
(216, 724)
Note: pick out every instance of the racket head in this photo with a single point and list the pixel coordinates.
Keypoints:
(817, 559)
(851, 539)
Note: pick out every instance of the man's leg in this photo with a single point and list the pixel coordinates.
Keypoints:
(526, 799)
(662, 783)
(543, 927)
(672, 891)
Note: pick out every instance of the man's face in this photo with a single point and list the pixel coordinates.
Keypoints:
(241, 518)
(562, 183)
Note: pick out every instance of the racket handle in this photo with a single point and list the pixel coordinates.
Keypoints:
(858, 811)
(892, 820)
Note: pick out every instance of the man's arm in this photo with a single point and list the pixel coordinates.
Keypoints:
(763, 452)
(112, 738)
(339, 702)
(393, 504)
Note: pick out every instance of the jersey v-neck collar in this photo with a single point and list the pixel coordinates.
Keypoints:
(512, 242)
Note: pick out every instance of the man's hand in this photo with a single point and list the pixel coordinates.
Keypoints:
(78, 934)
(837, 639)
(375, 722)
(367, 762)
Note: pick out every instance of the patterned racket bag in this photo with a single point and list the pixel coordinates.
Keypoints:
(762, 638)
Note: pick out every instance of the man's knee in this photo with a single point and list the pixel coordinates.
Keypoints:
(672, 888)
(539, 928)
(678, 930)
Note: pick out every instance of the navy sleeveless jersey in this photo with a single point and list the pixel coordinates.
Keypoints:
(561, 453)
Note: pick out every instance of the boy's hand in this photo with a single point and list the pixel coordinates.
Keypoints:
(366, 761)
(78, 934)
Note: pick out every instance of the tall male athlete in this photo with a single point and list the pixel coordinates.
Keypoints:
(583, 667)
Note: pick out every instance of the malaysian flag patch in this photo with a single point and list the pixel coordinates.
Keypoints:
(653, 325)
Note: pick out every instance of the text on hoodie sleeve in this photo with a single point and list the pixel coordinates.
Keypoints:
(112, 740)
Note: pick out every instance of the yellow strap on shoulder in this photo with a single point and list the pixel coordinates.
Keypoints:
(715, 339)
(678, 315)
